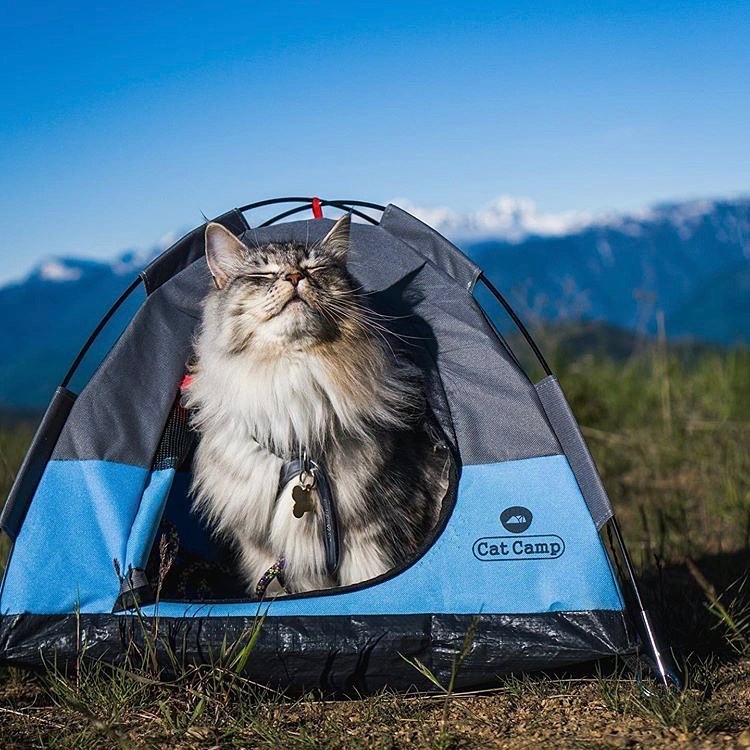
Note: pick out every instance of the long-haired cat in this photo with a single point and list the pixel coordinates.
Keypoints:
(290, 362)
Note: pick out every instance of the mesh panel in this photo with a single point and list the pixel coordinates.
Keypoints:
(176, 440)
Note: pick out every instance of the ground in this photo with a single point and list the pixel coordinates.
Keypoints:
(670, 435)
(593, 712)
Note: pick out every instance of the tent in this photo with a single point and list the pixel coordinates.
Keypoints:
(527, 555)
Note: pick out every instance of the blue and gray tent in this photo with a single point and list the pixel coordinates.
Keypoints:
(527, 552)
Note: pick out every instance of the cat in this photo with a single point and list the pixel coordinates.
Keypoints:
(290, 362)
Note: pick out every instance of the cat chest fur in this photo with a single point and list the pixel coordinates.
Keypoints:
(243, 475)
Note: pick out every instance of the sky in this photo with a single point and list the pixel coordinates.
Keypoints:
(121, 124)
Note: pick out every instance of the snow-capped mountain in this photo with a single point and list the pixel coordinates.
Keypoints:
(56, 269)
(689, 260)
(513, 220)
(504, 218)
(63, 270)
(48, 315)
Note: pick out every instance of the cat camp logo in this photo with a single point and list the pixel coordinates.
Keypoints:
(517, 519)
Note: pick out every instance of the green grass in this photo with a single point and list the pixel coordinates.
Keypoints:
(670, 435)
(14, 440)
(671, 442)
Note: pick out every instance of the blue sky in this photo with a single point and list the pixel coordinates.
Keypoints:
(123, 123)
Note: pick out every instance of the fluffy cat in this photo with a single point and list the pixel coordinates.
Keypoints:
(290, 361)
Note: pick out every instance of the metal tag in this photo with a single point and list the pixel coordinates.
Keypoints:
(302, 494)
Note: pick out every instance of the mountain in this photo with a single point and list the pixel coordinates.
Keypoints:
(690, 261)
(508, 217)
(48, 316)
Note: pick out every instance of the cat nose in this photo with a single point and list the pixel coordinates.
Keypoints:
(294, 277)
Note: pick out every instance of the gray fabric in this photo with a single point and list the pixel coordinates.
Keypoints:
(494, 409)
(484, 402)
(134, 579)
(581, 462)
(430, 245)
(120, 414)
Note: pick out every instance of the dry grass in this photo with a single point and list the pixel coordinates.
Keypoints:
(115, 709)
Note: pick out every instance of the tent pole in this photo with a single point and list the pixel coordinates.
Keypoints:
(666, 669)
(519, 324)
(344, 205)
(306, 207)
(103, 322)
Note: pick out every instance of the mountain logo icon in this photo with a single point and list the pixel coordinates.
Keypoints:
(516, 519)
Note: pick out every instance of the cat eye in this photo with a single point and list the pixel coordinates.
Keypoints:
(261, 276)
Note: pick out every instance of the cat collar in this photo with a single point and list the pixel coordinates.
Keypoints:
(295, 468)
(275, 572)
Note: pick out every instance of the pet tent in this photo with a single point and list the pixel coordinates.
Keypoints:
(527, 553)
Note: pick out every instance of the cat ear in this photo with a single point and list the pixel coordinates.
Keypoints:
(336, 242)
(224, 253)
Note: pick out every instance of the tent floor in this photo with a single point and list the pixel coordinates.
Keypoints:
(335, 654)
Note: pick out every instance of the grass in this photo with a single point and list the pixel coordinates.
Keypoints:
(14, 440)
(449, 689)
(670, 435)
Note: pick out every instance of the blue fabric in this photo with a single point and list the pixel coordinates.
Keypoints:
(571, 572)
(85, 514)
(78, 523)
(146, 522)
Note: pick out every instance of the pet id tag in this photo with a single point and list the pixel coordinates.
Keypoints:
(302, 494)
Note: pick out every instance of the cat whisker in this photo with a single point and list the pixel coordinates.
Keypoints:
(370, 311)
(364, 319)
(346, 299)
(382, 333)
(342, 316)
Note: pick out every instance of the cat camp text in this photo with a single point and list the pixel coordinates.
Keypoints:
(537, 547)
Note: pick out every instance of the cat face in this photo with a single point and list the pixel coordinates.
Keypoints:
(281, 294)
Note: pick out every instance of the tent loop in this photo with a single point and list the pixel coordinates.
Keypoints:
(347, 206)
(276, 201)
(344, 205)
